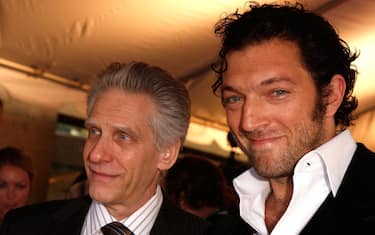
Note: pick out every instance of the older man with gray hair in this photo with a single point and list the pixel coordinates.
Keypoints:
(138, 117)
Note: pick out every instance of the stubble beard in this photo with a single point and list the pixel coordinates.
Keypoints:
(309, 135)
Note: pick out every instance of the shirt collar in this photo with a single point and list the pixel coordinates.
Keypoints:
(140, 222)
(336, 155)
(322, 169)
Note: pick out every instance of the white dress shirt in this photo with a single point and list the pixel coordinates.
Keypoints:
(140, 222)
(316, 174)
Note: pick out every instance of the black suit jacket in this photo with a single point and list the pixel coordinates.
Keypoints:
(67, 217)
(352, 211)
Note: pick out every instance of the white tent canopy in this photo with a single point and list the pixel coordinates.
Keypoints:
(70, 41)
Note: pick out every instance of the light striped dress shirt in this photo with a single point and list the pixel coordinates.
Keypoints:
(140, 222)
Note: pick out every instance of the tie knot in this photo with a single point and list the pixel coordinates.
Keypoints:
(116, 228)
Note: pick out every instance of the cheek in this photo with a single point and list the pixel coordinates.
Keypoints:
(2, 194)
(233, 119)
(86, 146)
(127, 163)
(24, 195)
(292, 115)
(86, 149)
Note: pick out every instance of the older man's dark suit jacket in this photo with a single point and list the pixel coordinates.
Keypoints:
(67, 217)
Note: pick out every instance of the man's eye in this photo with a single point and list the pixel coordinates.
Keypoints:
(279, 92)
(94, 132)
(123, 136)
(231, 100)
(3, 184)
(21, 186)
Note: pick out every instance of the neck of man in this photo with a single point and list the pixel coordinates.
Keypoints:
(124, 208)
(278, 200)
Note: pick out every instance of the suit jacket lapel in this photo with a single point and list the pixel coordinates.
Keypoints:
(70, 218)
(353, 208)
(172, 220)
(161, 224)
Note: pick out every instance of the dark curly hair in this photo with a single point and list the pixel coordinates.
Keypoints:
(323, 52)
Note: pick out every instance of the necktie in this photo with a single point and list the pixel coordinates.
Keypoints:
(116, 228)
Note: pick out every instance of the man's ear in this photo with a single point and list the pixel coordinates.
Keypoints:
(336, 92)
(168, 155)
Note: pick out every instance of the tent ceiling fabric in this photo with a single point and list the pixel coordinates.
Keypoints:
(76, 39)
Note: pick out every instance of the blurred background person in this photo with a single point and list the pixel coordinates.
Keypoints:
(198, 186)
(232, 167)
(1, 112)
(79, 187)
(16, 174)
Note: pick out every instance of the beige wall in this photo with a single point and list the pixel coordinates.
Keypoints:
(363, 129)
(31, 128)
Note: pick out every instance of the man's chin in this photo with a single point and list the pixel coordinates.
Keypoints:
(100, 195)
(272, 172)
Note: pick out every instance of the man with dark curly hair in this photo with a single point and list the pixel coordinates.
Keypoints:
(286, 79)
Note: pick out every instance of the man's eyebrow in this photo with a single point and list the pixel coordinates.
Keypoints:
(88, 123)
(266, 82)
(229, 88)
(134, 133)
(276, 80)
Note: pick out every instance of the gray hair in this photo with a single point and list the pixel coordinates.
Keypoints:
(170, 96)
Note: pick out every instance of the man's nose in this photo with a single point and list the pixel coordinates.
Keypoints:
(254, 115)
(100, 150)
(11, 194)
